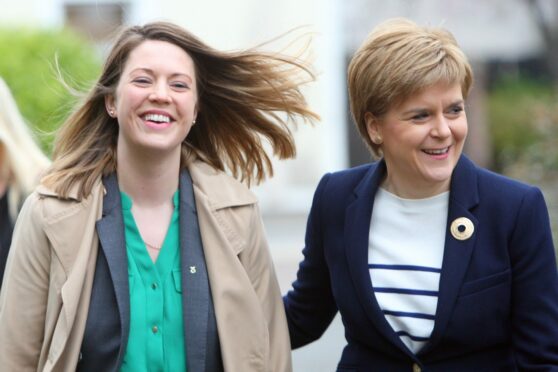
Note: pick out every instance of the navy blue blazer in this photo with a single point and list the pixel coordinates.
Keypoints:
(498, 296)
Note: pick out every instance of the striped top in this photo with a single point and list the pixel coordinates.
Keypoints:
(405, 252)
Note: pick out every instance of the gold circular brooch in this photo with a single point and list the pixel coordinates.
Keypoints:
(462, 228)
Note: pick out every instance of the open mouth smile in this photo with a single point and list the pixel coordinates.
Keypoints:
(438, 152)
(157, 118)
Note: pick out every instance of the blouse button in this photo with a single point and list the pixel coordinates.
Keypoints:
(154, 286)
(155, 329)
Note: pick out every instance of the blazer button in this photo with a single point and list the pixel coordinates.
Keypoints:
(416, 368)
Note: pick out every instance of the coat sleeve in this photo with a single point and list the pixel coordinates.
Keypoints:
(23, 297)
(535, 287)
(259, 266)
(310, 306)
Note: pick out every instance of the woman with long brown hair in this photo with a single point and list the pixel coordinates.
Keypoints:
(138, 252)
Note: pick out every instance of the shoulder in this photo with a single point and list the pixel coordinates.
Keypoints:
(345, 181)
(220, 189)
(490, 181)
(353, 175)
(495, 193)
(51, 207)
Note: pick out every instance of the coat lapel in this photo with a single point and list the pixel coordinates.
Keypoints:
(110, 229)
(77, 252)
(357, 227)
(457, 253)
(214, 194)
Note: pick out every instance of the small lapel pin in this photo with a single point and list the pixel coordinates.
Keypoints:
(192, 269)
(462, 228)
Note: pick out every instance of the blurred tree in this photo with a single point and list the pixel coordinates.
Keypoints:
(29, 66)
(545, 14)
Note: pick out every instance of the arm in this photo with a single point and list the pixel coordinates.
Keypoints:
(259, 266)
(310, 306)
(535, 287)
(23, 297)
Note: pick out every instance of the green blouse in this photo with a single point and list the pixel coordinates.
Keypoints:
(156, 340)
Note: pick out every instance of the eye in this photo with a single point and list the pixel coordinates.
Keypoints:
(142, 81)
(420, 116)
(179, 85)
(455, 110)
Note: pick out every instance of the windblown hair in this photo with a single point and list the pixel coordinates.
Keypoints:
(21, 160)
(243, 97)
(397, 60)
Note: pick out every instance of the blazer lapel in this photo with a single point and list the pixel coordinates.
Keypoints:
(110, 229)
(195, 295)
(357, 227)
(457, 253)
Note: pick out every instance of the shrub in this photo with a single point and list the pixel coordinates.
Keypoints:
(522, 117)
(28, 65)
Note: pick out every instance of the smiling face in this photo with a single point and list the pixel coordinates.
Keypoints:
(156, 98)
(421, 139)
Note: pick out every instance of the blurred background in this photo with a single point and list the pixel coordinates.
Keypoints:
(512, 111)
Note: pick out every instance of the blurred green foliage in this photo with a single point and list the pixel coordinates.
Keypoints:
(28, 65)
(523, 119)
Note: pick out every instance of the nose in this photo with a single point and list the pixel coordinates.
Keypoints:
(160, 93)
(441, 127)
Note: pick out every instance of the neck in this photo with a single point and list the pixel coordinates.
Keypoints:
(150, 178)
(414, 189)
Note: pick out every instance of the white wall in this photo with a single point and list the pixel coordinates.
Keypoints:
(246, 23)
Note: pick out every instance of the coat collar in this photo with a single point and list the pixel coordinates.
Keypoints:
(463, 198)
(219, 189)
(73, 193)
(357, 227)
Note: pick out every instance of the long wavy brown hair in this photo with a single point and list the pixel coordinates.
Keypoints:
(244, 98)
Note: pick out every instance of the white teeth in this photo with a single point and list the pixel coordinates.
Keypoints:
(157, 118)
(437, 152)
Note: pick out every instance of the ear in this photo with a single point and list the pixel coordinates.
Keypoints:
(110, 105)
(374, 128)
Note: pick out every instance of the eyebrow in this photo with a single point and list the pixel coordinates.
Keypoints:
(422, 109)
(150, 71)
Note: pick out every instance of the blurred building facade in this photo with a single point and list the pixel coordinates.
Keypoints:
(487, 30)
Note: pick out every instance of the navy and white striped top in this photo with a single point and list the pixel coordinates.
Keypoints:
(405, 252)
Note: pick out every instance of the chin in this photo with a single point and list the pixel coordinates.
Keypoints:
(439, 177)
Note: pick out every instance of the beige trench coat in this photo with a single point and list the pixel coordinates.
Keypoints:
(49, 276)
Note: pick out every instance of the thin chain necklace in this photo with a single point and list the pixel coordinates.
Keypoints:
(155, 247)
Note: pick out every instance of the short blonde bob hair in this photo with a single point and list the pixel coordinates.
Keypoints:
(398, 59)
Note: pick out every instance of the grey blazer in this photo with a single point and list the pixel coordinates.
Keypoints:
(108, 321)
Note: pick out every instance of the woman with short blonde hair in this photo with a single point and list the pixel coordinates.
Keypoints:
(433, 263)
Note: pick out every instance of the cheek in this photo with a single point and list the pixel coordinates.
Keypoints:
(128, 99)
(460, 131)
